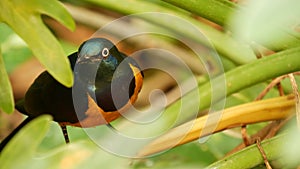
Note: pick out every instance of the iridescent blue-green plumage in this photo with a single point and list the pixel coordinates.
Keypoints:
(47, 96)
(101, 72)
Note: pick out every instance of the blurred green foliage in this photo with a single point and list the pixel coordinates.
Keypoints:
(14, 49)
(41, 145)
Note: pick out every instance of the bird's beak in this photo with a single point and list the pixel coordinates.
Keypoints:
(89, 59)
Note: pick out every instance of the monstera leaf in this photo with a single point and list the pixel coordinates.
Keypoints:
(24, 17)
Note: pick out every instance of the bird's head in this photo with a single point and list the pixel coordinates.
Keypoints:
(97, 55)
(96, 50)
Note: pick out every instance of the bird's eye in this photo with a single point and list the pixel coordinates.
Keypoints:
(105, 52)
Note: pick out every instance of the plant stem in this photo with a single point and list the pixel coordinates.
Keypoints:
(254, 112)
(236, 51)
(251, 157)
(224, 12)
(242, 77)
(200, 99)
(218, 11)
(281, 151)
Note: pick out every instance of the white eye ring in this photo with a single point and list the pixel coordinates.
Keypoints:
(105, 52)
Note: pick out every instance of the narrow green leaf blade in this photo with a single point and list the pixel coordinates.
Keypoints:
(6, 96)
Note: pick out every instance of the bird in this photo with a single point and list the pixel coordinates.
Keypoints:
(106, 84)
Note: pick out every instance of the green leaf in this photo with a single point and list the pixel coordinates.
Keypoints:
(24, 17)
(12, 45)
(6, 96)
(20, 150)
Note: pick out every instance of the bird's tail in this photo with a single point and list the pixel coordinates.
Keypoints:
(20, 107)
